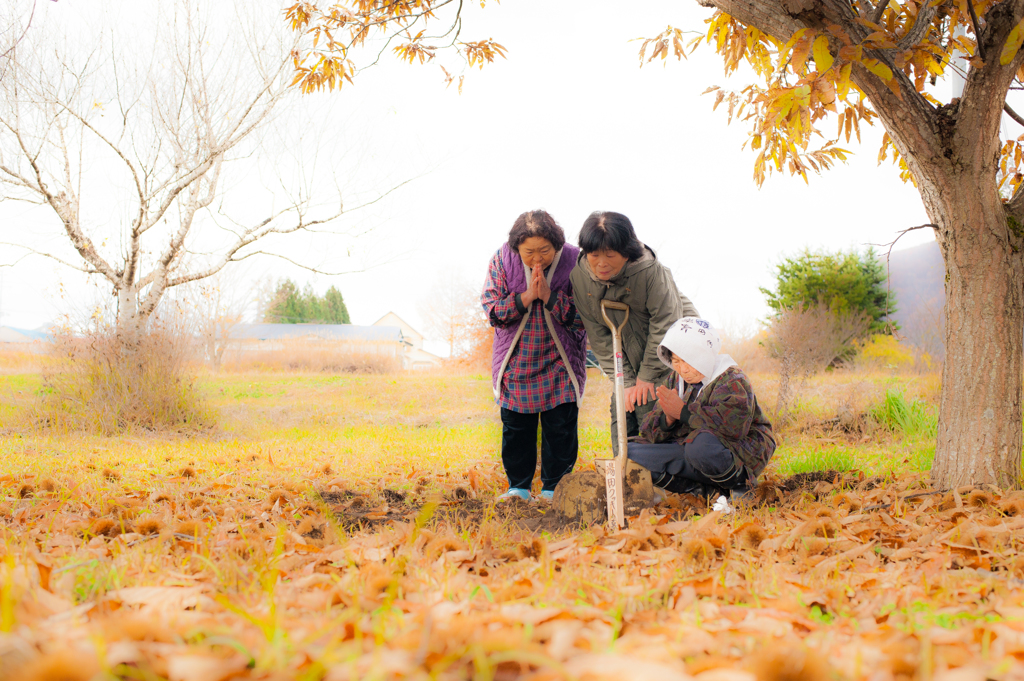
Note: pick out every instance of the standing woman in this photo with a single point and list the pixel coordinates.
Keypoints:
(614, 265)
(540, 350)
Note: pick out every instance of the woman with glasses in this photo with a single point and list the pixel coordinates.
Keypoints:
(540, 345)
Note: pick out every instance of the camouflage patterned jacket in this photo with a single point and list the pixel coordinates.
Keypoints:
(726, 408)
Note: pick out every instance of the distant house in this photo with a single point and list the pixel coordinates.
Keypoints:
(415, 357)
(384, 341)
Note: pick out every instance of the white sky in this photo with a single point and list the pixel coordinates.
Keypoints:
(567, 123)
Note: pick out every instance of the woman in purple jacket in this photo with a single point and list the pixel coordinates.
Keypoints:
(540, 352)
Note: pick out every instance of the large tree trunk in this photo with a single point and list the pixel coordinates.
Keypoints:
(953, 152)
(130, 319)
(979, 438)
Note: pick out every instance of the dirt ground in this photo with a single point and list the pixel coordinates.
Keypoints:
(462, 509)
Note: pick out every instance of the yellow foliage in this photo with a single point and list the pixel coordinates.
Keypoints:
(886, 351)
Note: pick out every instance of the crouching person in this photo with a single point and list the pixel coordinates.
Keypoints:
(707, 433)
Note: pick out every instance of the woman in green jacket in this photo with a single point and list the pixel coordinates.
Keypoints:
(614, 265)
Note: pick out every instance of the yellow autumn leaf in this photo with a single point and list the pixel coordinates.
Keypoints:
(1012, 44)
(784, 52)
(822, 56)
(843, 82)
(878, 68)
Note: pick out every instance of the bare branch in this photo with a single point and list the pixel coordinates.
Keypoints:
(297, 264)
(178, 281)
(917, 32)
(66, 213)
(62, 261)
(876, 14)
(12, 264)
(977, 28)
(28, 24)
(888, 277)
(120, 154)
(1013, 114)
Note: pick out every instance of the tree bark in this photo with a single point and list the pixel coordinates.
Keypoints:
(979, 439)
(127, 312)
(953, 152)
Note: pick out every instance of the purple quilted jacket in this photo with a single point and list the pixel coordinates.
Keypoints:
(573, 343)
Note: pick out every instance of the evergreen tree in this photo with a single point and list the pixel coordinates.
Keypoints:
(846, 282)
(292, 306)
(311, 313)
(334, 308)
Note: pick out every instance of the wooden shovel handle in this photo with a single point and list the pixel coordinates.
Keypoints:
(614, 305)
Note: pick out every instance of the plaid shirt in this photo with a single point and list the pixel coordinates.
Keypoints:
(535, 377)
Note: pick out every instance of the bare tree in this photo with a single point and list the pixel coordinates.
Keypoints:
(218, 305)
(15, 27)
(452, 311)
(806, 340)
(147, 127)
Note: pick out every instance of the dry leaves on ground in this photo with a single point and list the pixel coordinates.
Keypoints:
(842, 577)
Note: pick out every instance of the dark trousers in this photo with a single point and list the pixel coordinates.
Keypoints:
(559, 445)
(705, 460)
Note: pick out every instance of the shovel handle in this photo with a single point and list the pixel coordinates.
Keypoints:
(615, 468)
(614, 305)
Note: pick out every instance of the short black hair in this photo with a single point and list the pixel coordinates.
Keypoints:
(605, 230)
(535, 223)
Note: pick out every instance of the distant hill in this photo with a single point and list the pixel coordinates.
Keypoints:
(917, 277)
(9, 334)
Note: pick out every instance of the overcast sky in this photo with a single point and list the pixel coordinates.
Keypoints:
(568, 123)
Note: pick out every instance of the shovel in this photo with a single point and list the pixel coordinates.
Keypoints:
(615, 468)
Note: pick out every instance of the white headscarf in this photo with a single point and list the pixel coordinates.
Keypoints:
(695, 342)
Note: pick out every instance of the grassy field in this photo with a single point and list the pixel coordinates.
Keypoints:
(341, 527)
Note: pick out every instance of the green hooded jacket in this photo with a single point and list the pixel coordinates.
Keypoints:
(654, 303)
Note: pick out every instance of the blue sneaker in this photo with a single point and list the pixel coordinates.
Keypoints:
(515, 492)
(547, 495)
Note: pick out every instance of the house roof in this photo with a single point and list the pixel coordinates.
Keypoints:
(406, 327)
(347, 332)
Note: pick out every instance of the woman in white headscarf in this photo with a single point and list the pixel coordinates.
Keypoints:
(707, 433)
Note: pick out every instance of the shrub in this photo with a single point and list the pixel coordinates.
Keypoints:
(885, 352)
(18, 358)
(749, 351)
(102, 382)
(475, 355)
(806, 341)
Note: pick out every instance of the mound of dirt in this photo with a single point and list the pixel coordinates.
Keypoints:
(806, 481)
(581, 497)
(356, 512)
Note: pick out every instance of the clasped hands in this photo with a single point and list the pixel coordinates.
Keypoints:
(538, 290)
(671, 403)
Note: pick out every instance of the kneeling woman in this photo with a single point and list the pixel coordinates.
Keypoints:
(707, 433)
(540, 352)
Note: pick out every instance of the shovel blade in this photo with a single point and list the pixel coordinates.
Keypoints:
(614, 491)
